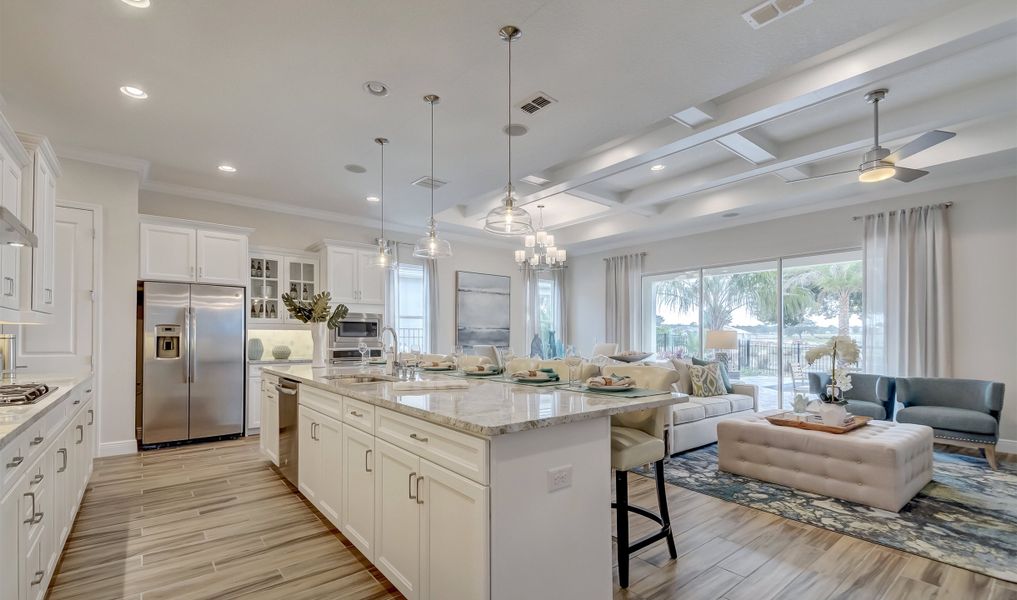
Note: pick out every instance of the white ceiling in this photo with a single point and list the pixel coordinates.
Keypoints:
(274, 88)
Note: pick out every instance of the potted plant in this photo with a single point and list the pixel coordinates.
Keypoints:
(316, 312)
(842, 351)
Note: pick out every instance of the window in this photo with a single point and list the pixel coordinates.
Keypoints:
(411, 316)
(548, 327)
(760, 319)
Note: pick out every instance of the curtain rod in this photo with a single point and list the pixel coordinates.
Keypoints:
(610, 257)
(860, 217)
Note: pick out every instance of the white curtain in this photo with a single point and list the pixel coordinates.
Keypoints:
(431, 305)
(622, 307)
(561, 308)
(907, 293)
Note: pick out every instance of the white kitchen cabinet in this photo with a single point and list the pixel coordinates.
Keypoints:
(38, 208)
(358, 489)
(269, 432)
(319, 471)
(454, 544)
(190, 251)
(397, 517)
(254, 399)
(301, 274)
(168, 252)
(10, 198)
(350, 275)
(222, 257)
(274, 272)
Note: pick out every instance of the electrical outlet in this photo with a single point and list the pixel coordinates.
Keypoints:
(559, 478)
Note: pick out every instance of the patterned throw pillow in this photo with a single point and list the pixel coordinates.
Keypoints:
(706, 380)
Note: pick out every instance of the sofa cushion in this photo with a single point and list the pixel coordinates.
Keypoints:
(866, 409)
(740, 402)
(713, 406)
(944, 417)
(684, 377)
(688, 412)
(706, 380)
(723, 371)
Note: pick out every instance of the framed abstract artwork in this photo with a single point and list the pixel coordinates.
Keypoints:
(483, 309)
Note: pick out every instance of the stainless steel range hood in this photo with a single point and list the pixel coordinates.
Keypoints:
(13, 232)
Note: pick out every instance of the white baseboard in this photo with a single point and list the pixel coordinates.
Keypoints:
(1008, 446)
(118, 448)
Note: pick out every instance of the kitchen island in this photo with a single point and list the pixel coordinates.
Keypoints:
(495, 491)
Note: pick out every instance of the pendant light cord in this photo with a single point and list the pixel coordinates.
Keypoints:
(508, 133)
(432, 168)
(382, 192)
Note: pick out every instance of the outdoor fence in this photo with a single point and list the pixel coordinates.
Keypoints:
(752, 357)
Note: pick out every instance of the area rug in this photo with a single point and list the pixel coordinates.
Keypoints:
(966, 517)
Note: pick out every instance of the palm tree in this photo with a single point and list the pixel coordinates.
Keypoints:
(837, 288)
(724, 294)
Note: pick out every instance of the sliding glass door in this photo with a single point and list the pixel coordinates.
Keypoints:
(671, 306)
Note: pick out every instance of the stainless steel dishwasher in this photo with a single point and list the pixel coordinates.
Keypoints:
(289, 394)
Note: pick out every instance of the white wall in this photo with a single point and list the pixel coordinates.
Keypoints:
(983, 224)
(116, 191)
(295, 232)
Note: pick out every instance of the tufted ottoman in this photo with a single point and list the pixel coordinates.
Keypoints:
(883, 464)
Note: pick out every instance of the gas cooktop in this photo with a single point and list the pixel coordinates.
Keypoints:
(23, 393)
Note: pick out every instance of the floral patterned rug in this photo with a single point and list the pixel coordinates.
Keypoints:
(966, 517)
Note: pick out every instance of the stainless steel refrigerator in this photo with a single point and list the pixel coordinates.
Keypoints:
(191, 345)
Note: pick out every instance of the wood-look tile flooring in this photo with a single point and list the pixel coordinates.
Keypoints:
(215, 521)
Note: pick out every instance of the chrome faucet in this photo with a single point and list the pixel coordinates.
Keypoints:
(396, 365)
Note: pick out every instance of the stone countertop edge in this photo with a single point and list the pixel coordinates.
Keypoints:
(288, 361)
(363, 392)
(27, 414)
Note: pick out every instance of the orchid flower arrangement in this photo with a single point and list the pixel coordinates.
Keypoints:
(842, 351)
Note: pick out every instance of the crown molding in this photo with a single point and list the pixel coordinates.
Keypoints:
(13, 144)
(174, 189)
(33, 142)
(106, 159)
(178, 222)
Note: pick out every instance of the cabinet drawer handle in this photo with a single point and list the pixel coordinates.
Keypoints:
(63, 452)
(37, 479)
(38, 577)
(418, 438)
(356, 414)
(17, 460)
(412, 476)
(88, 391)
(314, 431)
(91, 417)
(419, 499)
(76, 402)
(367, 454)
(81, 432)
(31, 519)
(35, 441)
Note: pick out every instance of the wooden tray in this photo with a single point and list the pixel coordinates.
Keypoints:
(856, 422)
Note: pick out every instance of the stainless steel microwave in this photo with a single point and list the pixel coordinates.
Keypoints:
(356, 328)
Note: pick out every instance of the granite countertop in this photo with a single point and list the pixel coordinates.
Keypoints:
(486, 408)
(275, 361)
(15, 419)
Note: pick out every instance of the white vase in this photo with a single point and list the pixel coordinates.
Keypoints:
(319, 338)
(833, 414)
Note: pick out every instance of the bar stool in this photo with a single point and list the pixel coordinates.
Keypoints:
(638, 439)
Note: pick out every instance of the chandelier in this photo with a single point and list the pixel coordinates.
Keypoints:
(540, 253)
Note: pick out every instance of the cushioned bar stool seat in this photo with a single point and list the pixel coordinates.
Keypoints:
(638, 439)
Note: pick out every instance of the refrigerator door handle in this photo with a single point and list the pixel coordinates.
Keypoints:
(194, 345)
(187, 345)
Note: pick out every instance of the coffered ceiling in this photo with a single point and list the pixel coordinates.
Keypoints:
(274, 88)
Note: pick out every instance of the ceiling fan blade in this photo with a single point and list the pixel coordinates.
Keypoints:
(922, 142)
(906, 175)
(820, 176)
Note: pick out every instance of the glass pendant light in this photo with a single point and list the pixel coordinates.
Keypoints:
(509, 219)
(383, 259)
(431, 246)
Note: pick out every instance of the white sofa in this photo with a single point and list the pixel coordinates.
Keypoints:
(694, 422)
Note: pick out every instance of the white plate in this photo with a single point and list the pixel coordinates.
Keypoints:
(610, 388)
(436, 368)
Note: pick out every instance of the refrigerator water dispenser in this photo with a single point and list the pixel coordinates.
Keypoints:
(167, 341)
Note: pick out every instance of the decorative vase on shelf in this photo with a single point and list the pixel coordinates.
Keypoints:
(255, 349)
(281, 352)
(319, 339)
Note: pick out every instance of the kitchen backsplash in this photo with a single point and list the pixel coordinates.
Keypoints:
(298, 340)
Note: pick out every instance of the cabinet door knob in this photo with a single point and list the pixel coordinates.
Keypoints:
(91, 417)
(63, 452)
(419, 499)
(81, 432)
(367, 454)
(412, 476)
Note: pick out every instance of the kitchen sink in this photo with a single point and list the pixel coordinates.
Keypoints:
(354, 379)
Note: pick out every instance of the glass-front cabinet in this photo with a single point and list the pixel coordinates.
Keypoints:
(273, 274)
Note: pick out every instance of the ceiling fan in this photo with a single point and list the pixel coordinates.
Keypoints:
(879, 163)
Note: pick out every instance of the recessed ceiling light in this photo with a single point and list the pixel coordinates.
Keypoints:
(136, 3)
(133, 92)
(373, 199)
(729, 215)
(515, 129)
(657, 168)
(355, 168)
(227, 168)
(376, 88)
(536, 180)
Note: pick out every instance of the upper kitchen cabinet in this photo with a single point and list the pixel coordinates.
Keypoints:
(348, 273)
(274, 272)
(38, 207)
(189, 251)
(14, 160)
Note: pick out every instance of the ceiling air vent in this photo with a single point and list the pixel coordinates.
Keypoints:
(770, 11)
(428, 183)
(536, 102)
